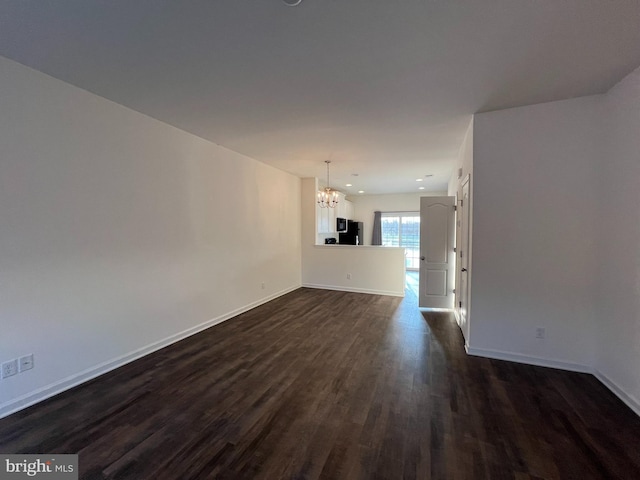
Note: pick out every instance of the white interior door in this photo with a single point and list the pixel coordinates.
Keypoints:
(463, 298)
(437, 256)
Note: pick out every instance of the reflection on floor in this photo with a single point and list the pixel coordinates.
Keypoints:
(412, 281)
(324, 385)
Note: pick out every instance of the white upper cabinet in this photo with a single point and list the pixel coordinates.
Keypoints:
(344, 208)
(326, 217)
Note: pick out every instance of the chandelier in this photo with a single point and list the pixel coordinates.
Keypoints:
(327, 198)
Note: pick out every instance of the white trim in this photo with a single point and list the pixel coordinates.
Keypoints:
(404, 213)
(629, 400)
(456, 313)
(618, 391)
(519, 358)
(71, 381)
(466, 179)
(354, 290)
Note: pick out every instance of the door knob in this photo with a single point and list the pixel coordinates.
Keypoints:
(422, 258)
(464, 270)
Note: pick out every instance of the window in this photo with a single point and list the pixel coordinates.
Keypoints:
(403, 230)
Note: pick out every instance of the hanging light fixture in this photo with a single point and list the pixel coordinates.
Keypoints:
(327, 198)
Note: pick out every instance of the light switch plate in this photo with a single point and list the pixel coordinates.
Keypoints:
(25, 363)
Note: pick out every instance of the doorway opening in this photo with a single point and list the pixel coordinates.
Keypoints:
(402, 229)
(412, 282)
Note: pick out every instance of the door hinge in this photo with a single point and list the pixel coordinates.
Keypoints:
(459, 304)
(455, 208)
(454, 290)
(454, 250)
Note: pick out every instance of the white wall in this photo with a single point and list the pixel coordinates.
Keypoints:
(120, 233)
(365, 205)
(535, 210)
(378, 270)
(618, 361)
(464, 162)
(364, 269)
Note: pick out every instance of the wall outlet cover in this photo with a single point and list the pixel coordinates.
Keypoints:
(10, 368)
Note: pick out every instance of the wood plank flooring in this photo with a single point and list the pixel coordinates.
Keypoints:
(333, 385)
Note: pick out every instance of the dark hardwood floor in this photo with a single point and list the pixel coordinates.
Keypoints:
(332, 385)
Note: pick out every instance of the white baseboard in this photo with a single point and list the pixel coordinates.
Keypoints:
(355, 290)
(530, 360)
(629, 400)
(60, 386)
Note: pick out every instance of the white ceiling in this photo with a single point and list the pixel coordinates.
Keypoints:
(385, 88)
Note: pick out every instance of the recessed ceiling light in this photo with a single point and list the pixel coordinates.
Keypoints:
(348, 185)
(420, 188)
(360, 191)
(418, 179)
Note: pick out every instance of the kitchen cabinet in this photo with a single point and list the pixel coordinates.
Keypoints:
(344, 208)
(326, 217)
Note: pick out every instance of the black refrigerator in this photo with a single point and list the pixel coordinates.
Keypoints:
(353, 235)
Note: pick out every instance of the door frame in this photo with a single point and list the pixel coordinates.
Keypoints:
(464, 247)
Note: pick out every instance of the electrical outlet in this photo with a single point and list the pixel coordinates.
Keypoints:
(539, 332)
(348, 276)
(10, 368)
(25, 363)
